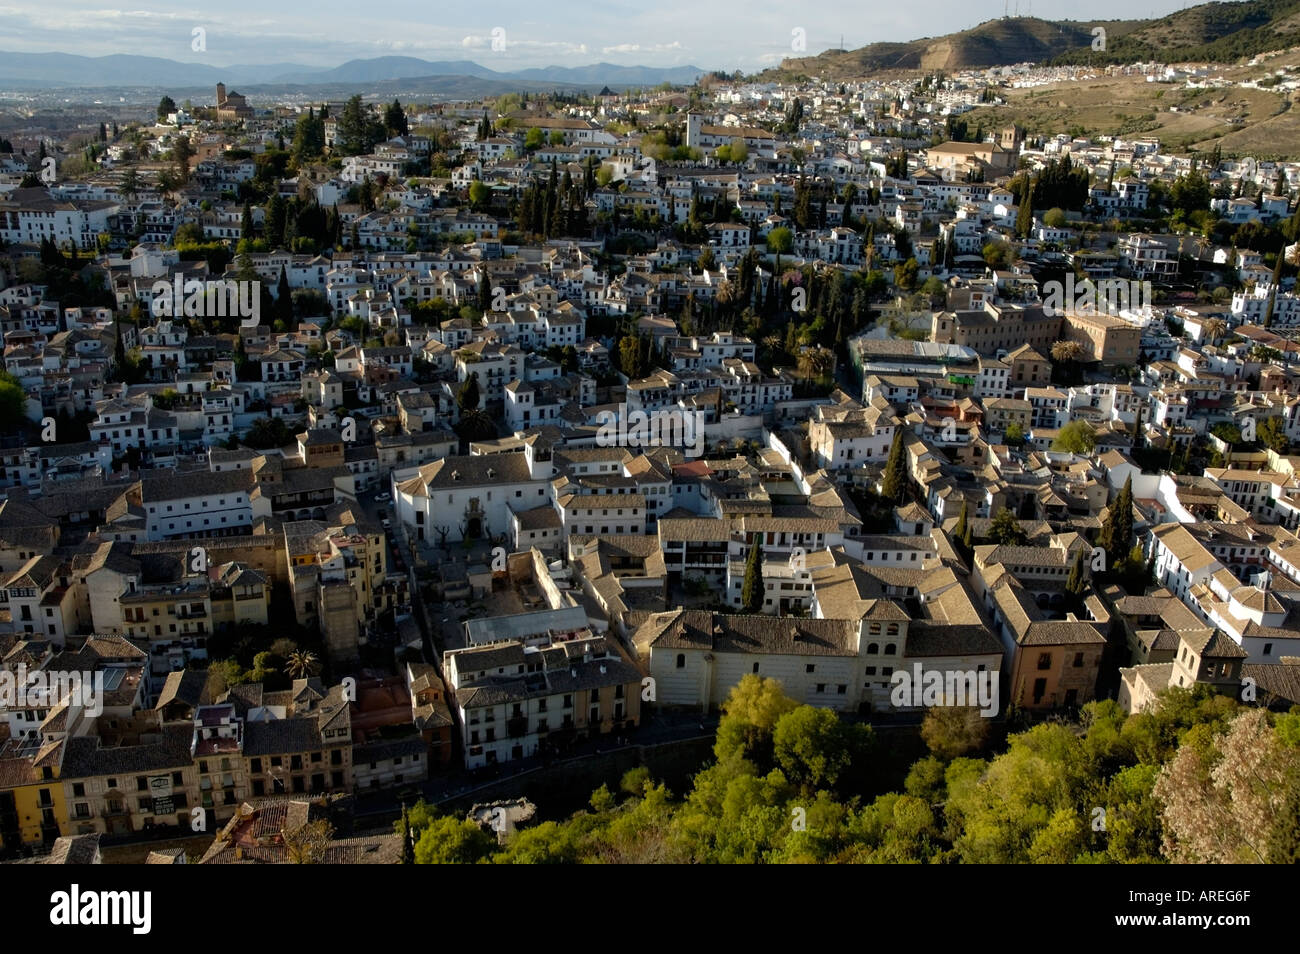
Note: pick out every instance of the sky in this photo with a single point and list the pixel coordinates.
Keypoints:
(711, 34)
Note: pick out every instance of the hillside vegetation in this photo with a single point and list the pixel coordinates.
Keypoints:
(1210, 32)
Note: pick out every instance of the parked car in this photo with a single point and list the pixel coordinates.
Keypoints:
(382, 498)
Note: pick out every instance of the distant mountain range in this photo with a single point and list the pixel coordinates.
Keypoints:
(1216, 32)
(42, 70)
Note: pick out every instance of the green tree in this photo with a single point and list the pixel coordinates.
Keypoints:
(935, 291)
(1025, 212)
(630, 356)
(753, 592)
(954, 731)
(749, 717)
(451, 840)
(395, 123)
(308, 137)
(467, 398)
(1190, 193)
(166, 106)
(408, 840)
(1116, 536)
(354, 129)
(13, 403)
(815, 749)
(479, 194)
(268, 432)
(1054, 218)
(1076, 584)
(1077, 437)
(1272, 434)
(905, 275)
(780, 240)
(182, 153)
(962, 530)
(1006, 528)
(893, 485)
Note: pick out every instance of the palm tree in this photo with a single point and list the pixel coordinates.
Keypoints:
(1214, 328)
(309, 844)
(302, 664)
(814, 362)
(1066, 352)
(726, 296)
(130, 184)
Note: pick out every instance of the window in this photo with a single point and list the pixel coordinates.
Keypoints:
(870, 670)
(681, 663)
(1044, 660)
(755, 669)
(841, 689)
(1268, 649)
(873, 649)
(890, 649)
(1078, 660)
(810, 668)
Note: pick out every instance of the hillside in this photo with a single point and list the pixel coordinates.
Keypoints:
(992, 43)
(1211, 32)
(1241, 121)
(1214, 32)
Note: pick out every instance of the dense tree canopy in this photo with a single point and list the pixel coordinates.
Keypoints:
(1199, 777)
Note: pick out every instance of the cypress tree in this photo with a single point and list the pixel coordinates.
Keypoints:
(408, 843)
(1116, 536)
(894, 485)
(751, 593)
(1076, 584)
(1025, 214)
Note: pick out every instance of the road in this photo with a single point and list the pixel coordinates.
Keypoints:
(659, 727)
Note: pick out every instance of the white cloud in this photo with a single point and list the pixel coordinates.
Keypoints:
(640, 48)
